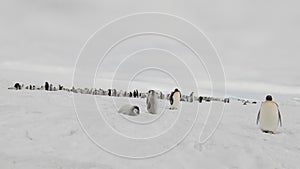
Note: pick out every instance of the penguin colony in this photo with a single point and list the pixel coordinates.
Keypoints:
(268, 118)
(122, 93)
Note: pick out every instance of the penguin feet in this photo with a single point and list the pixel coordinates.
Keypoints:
(267, 131)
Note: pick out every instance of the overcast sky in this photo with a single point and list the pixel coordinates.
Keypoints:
(257, 41)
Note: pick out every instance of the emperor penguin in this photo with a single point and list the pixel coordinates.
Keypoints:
(175, 99)
(191, 97)
(269, 116)
(130, 110)
(151, 102)
(17, 86)
(46, 86)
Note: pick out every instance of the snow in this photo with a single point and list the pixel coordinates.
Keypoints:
(40, 129)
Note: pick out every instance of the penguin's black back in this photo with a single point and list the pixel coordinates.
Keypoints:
(171, 98)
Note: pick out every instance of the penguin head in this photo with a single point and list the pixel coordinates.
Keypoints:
(176, 90)
(136, 110)
(152, 92)
(269, 98)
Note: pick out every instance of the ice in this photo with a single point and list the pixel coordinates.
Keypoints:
(40, 129)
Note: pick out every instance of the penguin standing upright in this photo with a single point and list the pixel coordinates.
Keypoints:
(161, 95)
(17, 86)
(200, 99)
(151, 102)
(269, 116)
(113, 92)
(175, 99)
(191, 97)
(136, 93)
(46, 86)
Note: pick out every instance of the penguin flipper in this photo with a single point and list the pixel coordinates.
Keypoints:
(148, 103)
(258, 116)
(171, 98)
(279, 115)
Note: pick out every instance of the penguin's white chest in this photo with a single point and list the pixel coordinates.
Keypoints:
(269, 118)
(176, 100)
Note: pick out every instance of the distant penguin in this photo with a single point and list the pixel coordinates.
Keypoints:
(200, 99)
(184, 98)
(161, 95)
(168, 96)
(151, 102)
(226, 100)
(129, 110)
(269, 116)
(46, 86)
(124, 93)
(191, 97)
(113, 92)
(17, 86)
(143, 95)
(136, 93)
(175, 99)
(119, 93)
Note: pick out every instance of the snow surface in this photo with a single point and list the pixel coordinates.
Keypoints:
(40, 129)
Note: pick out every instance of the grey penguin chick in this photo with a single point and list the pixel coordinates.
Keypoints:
(130, 110)
(151, 102)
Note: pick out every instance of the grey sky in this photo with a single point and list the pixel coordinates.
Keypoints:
(256, 40)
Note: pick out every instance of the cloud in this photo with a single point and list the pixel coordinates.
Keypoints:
(261, 87)
(21, 66)
(257, 41)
